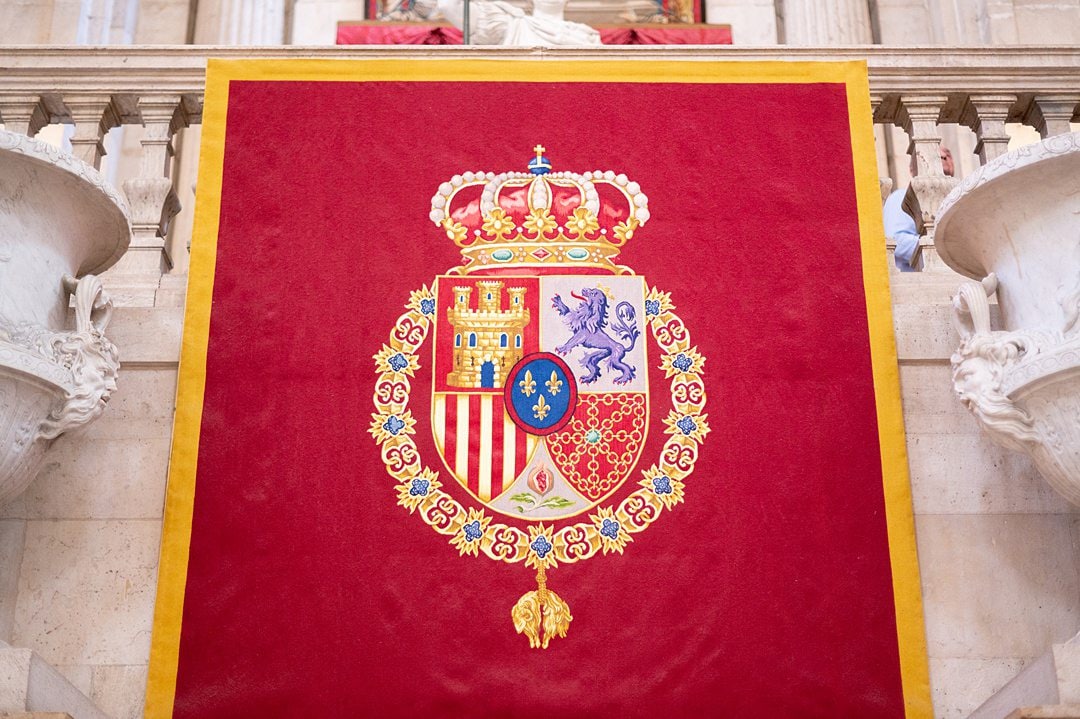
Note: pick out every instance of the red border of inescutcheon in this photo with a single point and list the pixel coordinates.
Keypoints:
(511, 380)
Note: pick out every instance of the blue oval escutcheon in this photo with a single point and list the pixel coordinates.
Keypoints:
(540, 393)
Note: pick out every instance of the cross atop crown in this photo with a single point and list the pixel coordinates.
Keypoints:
(539, 165)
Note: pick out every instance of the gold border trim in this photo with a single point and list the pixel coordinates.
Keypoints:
(187, 422)
(899, 513)
(172, 574)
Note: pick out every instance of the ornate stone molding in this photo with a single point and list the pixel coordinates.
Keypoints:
(75, 375)
(1016, 224)
(88, 355)
(30, 71)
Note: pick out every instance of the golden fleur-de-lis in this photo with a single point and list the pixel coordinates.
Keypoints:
(541, 408)
(528, 386)
(554, 384)
(540, 221)
(498, 224)
(582, 222)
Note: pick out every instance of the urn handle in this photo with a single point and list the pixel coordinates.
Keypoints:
(93, 305)
(91, 357)
(982, 363)
(971, 308)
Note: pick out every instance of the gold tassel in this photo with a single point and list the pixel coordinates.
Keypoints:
(541, 609)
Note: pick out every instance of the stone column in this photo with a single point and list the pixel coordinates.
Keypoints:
(240, 22)
(827, 22)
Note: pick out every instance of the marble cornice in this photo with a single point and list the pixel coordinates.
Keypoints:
(180, 69)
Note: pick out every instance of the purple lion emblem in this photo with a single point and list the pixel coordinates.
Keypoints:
(587, 322)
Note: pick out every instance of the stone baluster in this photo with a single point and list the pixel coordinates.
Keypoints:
(827, 22)
(885, 184)
(1057, 112)
(986, 115)
(93, 116)
(919, 117)
(173, 286)
(153, 203)
(23, 114)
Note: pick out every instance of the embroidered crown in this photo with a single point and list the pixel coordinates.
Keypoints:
(540, 219)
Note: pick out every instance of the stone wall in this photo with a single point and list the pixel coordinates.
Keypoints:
(79, 550)
(978, 22)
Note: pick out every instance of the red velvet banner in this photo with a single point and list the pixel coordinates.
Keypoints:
(408, 33)
(309, 588)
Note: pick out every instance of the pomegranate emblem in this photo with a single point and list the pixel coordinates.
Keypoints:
(540, 480)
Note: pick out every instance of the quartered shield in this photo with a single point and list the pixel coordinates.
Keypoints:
(541, 401)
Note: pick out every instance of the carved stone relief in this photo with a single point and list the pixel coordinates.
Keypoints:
(1015, 226)
(58, 219)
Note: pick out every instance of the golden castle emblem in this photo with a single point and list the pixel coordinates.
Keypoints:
(487, 340)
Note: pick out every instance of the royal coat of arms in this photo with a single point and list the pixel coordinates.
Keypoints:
(541, 347)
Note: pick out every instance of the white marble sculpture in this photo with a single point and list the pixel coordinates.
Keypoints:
(1014, 225)
(59, 220)
(494, 22)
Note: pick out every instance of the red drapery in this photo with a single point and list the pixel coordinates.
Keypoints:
(408, 33)
(307, 591)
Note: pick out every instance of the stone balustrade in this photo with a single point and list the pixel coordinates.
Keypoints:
(917, 89)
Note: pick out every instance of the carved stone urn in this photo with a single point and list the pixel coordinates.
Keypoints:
(1014, 226)
(60, 222)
